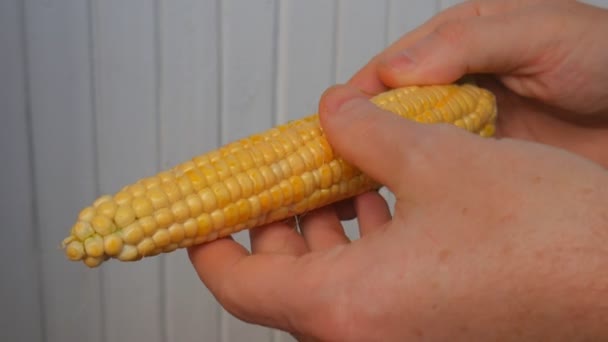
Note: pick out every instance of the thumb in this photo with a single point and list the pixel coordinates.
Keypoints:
(491, 44)
(373, 140)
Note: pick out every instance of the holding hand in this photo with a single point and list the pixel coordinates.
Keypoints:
(491, 239)
(544, 59)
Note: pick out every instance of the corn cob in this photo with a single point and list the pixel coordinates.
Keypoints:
(285, 171)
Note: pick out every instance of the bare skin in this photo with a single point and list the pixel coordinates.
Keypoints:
(491, 239)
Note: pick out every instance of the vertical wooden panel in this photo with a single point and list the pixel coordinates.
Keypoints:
(189, 118)
(126, 89)
(306, 56)
(405, 16)
(248, 64)
(20, 285)
(361, 34)
(63, 144)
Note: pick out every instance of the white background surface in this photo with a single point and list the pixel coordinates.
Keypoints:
(95, 94)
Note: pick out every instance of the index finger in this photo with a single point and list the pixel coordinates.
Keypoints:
(367, 79)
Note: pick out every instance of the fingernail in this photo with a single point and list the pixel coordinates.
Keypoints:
(400, 61)
(339, 97)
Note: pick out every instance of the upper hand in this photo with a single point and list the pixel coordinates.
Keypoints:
(545, 61)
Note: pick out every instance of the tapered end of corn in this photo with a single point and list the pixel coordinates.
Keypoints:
(267, 177)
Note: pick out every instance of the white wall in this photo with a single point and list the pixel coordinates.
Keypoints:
(94, 94)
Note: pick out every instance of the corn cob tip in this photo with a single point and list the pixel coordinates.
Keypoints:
(267, 177)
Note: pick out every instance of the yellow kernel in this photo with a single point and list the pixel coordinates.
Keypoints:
(307, 158)
(94, 246)
(336, 171)
(232, 163)
(287, 191)
(92, 261)
(265, 201)
(196, 179)
(184, 185)
(285, 168)
(133, 233)
(298, 187)
(245, 184)
(257, 179)
(161, 238)
(122, 197)
(296, 164)
(269, 177)
(222, 195)
(314, 199)
(217, 219)
(142, 207)
(170, 248)
(176, 231)
(166, 177)
(277, 196)
(255, 205)
(158, 198)
(148, 225)
(82, 230)
(124, 216)
(195, 205)
(327, 150)
(222, 169)
(186, 243)
(267, 151)
(204, 225)
(208, 199)
(245, 159)
(150, 182)
(190, 228)
(163, 217)
(137, 189)
(101, 200)
(209, 174)
(107, 208)
(74, 250)
(201, 160)
(185, 166)
(171, 190)
(146, 247)
(129, 253)
(180, 211)
(231, 215)
(244, 209)
(278, 214)
(326, 176)
(277, 171)
(86, 214)
(102, 225)
(309, 183)
(112, 244)
(234, 189)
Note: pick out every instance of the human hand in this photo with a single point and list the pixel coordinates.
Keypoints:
(490, 240)
(544, 60)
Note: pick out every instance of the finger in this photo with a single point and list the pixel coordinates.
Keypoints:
(322, 229)
(476, 45)
(406, 156)
(358, 130)
(367, 79)
(345, 209)
(228, 271)
(372, 212)
(277, 238)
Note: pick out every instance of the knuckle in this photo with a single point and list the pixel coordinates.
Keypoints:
(453, 33)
